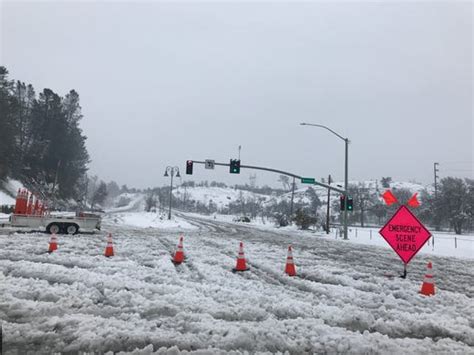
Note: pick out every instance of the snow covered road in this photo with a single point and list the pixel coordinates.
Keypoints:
(344, 300)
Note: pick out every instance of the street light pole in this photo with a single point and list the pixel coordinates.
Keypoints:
(346, 183)
(328, 206)
(346, 168)
(171, 170)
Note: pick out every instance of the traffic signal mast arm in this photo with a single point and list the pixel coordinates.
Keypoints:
(278, 172)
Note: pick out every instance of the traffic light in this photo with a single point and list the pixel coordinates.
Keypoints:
(343, 202)
(350, 203)
(189, 167)
(234, 166)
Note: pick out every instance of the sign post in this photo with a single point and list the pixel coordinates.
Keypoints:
(405, 234)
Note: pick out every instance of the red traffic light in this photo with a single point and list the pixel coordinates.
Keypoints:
(189, 167)
(343, 202)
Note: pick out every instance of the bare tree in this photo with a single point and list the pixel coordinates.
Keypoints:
(285, 181)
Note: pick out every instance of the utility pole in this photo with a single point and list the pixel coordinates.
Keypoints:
(327, 213)
(292, 198)
(346, 186)
(184, 197)
(56, 176)
(436, 170)
(86, 192)
(53, 192)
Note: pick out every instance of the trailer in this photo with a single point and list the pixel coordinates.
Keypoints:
(58, 224)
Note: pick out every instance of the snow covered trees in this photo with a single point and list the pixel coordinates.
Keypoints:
(99, 195)
(455, 202)
(40, 141)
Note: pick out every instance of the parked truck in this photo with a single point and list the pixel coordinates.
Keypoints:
(58, 224)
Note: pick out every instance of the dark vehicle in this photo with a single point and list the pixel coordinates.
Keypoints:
(242, 219)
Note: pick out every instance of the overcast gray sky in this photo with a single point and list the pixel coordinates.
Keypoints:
(162, 82)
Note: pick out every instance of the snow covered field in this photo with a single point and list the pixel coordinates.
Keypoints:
(148, 220)
(445, 244)
(345, 299)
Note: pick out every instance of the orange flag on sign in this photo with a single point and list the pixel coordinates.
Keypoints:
(389, 198)
(413, 201)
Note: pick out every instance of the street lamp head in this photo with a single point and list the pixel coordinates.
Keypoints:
(177, 174)
(166, 172)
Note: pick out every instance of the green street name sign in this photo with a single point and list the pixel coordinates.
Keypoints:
(308, 180)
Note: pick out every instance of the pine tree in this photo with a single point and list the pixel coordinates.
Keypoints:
(455, 202)
(8, 106)
(100, 194)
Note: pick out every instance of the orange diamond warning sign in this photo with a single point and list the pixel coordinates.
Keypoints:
(405, 234)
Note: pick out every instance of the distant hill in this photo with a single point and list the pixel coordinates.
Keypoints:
(222, 196)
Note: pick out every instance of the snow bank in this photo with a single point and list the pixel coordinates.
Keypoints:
(147, 220)
(12, 186)
(136, 203)
(8, 191)
(6, 199)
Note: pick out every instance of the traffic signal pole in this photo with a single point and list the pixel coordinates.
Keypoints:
(292, 197)
(328, 209)
(346, 183)
(279, 172)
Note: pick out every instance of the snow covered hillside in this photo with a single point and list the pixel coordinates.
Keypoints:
(221, 197)
(127, 202)
(8, 191)
(347, 298)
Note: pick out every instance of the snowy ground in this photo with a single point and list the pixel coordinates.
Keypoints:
(148, 220)
(441, 243)
(345, 299)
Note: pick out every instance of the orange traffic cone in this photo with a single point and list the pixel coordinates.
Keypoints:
(53, 243)
(290, 265)
(179, 255)
(241, 262)
(18, 202)
(427, 288)
(109, 249)
(29, 207)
